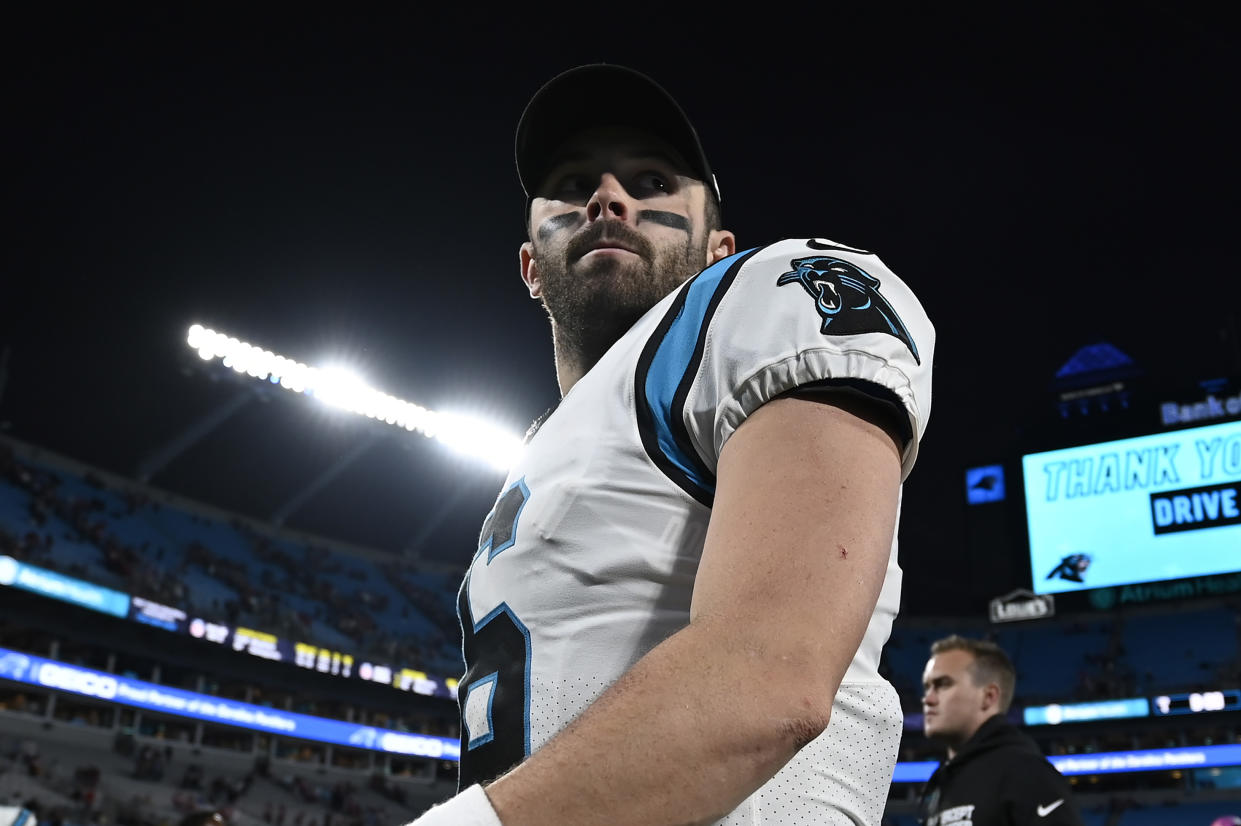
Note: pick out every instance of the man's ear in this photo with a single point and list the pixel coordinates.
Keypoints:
(530, 270)
(991, 697)
(720, 244)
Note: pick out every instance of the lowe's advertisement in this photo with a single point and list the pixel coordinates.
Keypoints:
(1150, 508)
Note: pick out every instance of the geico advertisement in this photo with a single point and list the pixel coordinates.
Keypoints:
(1155, 507)
(28, 668)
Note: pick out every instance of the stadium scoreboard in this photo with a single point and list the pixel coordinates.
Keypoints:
(1152, 508)
(1197, 702)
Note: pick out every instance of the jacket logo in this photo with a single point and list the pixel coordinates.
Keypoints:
(957, 816)
(1044, 811)
(847, 299)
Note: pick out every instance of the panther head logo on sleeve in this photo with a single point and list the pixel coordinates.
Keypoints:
(847, 299)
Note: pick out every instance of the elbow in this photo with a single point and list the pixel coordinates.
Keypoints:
(786, 689)
(771, 737)
(797, 698)
(799, 731)
(805, 713)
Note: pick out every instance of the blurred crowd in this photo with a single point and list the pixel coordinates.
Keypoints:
(271, 597)
(87, 793)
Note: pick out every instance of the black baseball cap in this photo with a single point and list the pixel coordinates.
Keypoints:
(602, 94)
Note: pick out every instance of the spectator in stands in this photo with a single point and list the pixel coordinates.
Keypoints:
(995, 774)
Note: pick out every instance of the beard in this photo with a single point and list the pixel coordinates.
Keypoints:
(593, 303)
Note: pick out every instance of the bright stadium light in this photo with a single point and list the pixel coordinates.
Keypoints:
(474, 437)
(343, 389)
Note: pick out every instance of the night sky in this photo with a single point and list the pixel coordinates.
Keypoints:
(343, 189)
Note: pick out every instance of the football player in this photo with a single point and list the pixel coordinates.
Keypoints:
(678, 602)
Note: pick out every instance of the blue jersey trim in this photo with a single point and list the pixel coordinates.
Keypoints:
(666, 370)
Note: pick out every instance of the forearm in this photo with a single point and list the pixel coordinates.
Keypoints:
(683, 737)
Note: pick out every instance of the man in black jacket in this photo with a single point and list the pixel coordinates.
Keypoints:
(995, 774)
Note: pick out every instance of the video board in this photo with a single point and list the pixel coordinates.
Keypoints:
(1144, 509)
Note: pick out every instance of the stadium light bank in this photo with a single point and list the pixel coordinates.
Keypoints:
(338, 388)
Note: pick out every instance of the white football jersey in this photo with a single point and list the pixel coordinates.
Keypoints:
(587, 560)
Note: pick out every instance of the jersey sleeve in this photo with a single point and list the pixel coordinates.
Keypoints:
(797, 314)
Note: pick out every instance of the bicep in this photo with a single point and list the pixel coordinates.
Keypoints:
(801, 530)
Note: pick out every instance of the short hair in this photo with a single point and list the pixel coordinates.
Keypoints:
(991, 664)
(712, 219)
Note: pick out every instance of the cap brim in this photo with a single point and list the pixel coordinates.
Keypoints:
(595, 95)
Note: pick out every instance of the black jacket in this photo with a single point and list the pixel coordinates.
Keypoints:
(999, 777)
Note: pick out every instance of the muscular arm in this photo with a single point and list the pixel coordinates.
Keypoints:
(795, 555)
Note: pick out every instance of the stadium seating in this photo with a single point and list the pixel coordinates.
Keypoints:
(1183, 650)
(14, 507)
(1050, 658)
(72, 759)
(217, 568)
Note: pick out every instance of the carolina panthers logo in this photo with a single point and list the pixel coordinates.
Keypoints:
(1072, 567)
(14, 666)
(847, 298)
(364, 737)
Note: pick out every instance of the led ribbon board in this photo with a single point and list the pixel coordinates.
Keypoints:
(1151, 508)
(1055, 714)
(44, 582)
(1111, 762)
(47, 583)
(1197, 702)
(38, 671)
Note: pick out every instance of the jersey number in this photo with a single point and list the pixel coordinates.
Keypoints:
(494, 696)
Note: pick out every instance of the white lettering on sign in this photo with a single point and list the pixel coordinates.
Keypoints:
(1074, 478)
(78, 681)
(1211, 407)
